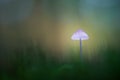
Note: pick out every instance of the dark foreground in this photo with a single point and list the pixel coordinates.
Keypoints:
(29, 65)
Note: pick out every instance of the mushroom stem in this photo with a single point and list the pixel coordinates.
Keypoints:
(81, 49)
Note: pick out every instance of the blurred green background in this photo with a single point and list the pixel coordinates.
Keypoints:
(35, 39)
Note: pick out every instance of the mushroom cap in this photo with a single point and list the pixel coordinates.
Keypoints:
(80, 35)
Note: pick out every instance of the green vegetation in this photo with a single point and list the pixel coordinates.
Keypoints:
(32, 64)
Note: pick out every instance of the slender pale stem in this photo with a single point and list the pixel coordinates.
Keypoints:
(80, 48)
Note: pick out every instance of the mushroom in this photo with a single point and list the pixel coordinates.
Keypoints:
(80, 35)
